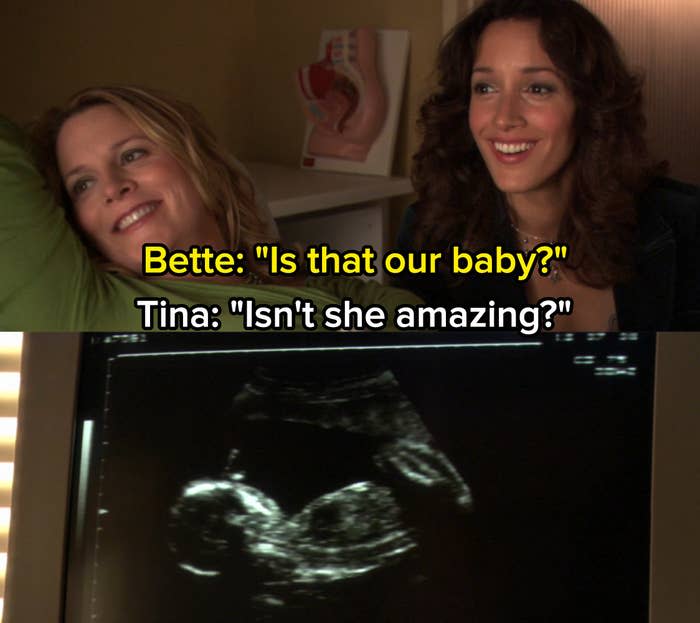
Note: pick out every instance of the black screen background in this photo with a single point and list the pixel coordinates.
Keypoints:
(558, 460)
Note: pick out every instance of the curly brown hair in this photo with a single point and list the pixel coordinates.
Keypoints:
(611, 164)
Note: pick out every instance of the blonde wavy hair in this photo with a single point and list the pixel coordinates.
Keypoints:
(225, 189)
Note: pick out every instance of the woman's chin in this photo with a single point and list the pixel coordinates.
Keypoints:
(531, 179)
(518, 184)
(513, 186)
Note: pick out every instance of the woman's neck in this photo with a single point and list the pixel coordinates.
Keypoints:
(538, 213)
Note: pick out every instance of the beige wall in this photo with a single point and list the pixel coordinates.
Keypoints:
(659, 38)
(675, 546)
(50, 50)
(233, 59)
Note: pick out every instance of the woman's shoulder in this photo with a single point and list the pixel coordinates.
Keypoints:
(672, 192)
(669, 214)
(672, 203)
(669, 226)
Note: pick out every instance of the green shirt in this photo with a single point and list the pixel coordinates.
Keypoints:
(48, 282)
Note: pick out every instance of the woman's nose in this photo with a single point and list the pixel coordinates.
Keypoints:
(117, 186)
(509, 113)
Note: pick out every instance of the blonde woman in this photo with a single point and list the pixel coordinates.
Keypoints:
(131, 166)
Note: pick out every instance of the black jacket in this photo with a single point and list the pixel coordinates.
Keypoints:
(663, 295)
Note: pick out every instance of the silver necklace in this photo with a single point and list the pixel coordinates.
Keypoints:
(555, 274)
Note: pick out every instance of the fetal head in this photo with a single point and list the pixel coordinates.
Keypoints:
(213, 521)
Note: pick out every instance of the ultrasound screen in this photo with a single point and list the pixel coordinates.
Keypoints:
(222, 478)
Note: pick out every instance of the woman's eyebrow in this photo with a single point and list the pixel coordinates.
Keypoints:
(524, 70)
(134, 137)
(113, 147)
(74, 171)
(536, 70)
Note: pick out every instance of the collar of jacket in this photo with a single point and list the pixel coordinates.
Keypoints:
(646, 302)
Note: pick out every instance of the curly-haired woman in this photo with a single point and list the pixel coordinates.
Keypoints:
(535, 134)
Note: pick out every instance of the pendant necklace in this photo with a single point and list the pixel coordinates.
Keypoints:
(555, 274)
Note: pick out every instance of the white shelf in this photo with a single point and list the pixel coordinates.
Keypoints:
(292, 191)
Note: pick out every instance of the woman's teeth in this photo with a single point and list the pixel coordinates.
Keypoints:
(513, 148)
(134, 216)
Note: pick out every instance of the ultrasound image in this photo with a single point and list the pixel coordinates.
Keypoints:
(493, 482)
(304, 553)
